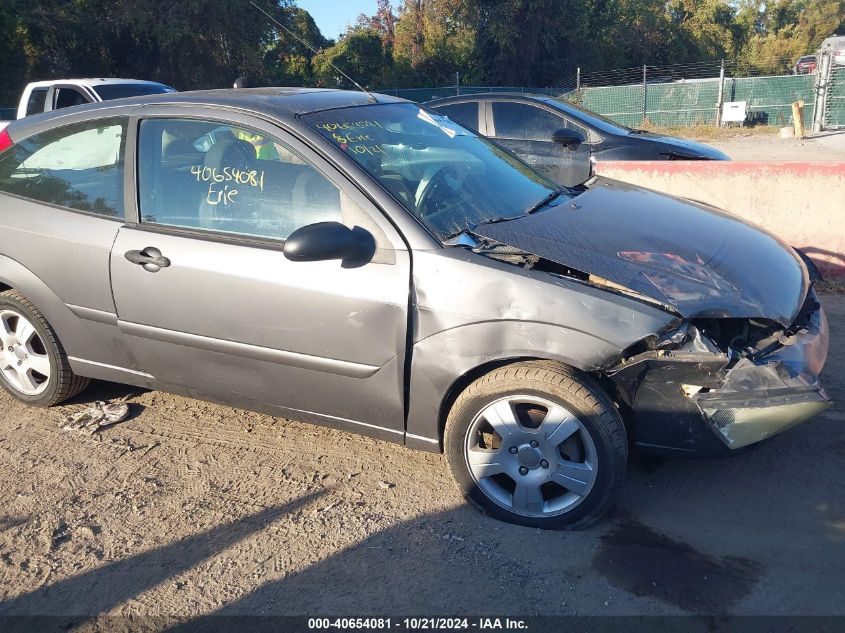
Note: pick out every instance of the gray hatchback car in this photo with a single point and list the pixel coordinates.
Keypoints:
(363, 262)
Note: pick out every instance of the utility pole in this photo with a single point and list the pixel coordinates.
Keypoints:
(721, 96)
(458, 83)
(645, 93)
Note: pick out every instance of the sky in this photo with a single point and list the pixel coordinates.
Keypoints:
(332, 16)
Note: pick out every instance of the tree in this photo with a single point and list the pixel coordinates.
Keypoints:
(359, 54)
(532, 42)
(383, 22)
(288, 62)
(186, 43)
(785, 29)
(434, 38)
(14, 58)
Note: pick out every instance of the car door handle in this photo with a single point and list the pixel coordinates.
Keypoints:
(150, 259)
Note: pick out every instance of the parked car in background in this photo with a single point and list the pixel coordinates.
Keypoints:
(560, 139)
(806, 65)
(835, 47)
(43, 96)
(387, 271)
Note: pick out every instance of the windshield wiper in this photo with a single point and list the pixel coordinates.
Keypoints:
(545, 201)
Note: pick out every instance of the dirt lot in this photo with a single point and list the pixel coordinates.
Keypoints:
(766, 145)
(189, 509)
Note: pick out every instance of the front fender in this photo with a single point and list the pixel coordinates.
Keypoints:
(439, 361)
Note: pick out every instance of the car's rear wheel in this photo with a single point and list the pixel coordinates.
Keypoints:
(33, 364)
(537, 444)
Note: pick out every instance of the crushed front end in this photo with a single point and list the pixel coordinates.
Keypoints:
(716, 384)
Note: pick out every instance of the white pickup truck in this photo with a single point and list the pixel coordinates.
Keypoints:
(43, 96)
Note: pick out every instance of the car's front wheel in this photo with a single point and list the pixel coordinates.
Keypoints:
(33, 364)
(538, 444)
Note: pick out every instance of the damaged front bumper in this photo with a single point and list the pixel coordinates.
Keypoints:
(700, 399)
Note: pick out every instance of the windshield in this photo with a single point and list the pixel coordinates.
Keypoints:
(590, 118)
(448, 177)
(121, 91)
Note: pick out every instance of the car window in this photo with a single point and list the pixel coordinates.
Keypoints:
(67, 97)
(447, 176)
(464, 113)
(525, 122)
(204, 175)
(122, 91)
(78, 166)
(35, 103)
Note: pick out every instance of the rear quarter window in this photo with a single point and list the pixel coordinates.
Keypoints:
(78, 166)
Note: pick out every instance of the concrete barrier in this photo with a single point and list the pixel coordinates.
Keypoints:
(802, 203)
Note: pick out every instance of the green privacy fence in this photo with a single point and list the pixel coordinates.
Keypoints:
(694, 102)
(671, 104)
(834, 112)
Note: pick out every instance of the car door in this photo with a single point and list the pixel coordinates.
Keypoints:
(61, 206)
(225, 316)
(527, 131)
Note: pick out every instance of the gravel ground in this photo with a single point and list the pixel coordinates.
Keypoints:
(189, 509)
(825, 146)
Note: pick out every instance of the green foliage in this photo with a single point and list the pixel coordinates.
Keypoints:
(185, 43)
(208, 43)
(14, 59)
(789, 28)
(288, 62)
(359, 53)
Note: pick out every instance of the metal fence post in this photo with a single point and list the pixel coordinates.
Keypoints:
(720, 98)
(823, 74)
(578, 79)
(645, 92)
(458, 83)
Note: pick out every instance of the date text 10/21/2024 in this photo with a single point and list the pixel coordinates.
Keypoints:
(417, 624)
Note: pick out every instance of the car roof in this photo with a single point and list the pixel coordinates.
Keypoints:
(93, 81)
(275, 100)
(282, 104)
(528, 96)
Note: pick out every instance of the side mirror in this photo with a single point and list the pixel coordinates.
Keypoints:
(330, 240)
(570, 139)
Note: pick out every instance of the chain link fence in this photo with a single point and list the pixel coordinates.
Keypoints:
(676, 95)
(693, 94)
(834, 109)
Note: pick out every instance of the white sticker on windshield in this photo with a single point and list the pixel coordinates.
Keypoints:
(441, 122)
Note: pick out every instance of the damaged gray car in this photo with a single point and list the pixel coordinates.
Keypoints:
(362, 262)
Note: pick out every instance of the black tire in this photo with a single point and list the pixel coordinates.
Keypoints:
(62, 382)
(560, 384)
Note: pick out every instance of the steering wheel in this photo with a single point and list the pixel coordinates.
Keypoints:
(437, 183)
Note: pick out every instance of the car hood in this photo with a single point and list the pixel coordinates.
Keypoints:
(700, 261)
(681, 147)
